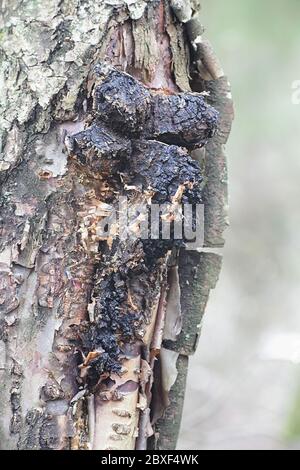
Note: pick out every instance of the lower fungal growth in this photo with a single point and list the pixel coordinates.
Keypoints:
(140, 141)
(165, 168)
(121, 308)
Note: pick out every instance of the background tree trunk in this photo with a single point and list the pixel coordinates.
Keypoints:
(48, 256)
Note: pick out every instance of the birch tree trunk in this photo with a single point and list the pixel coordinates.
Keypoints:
(49, 254)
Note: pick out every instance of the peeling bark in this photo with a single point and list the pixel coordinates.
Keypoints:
(58, 181)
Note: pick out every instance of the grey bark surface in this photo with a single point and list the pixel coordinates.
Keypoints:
(47, 253)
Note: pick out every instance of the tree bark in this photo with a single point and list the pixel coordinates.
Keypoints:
(50, 260)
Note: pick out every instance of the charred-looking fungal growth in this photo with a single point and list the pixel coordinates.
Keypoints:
(183, 119)
(138, 141)
(101, 149)
(122, 102)
(164, 169)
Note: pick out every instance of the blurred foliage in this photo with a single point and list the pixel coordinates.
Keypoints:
(292, 432)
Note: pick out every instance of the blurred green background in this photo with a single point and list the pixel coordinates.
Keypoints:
(244, 382)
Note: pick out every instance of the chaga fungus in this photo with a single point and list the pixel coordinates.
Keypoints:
(122, 102)
(184, 119)
(163, 169)
(145, 137)
(116, 320)
(101, 149)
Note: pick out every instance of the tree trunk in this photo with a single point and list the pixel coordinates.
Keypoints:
(56, 273)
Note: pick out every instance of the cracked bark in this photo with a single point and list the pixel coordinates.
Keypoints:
(48, 248)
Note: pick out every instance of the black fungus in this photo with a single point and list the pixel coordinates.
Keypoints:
(123, 102)
(185, 120)
(163, 168)
(115, 322)
(101, 149)
(147, 135)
